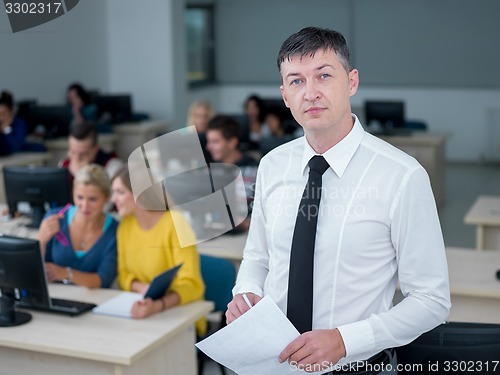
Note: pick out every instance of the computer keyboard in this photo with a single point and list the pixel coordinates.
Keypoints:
(69, 305)
(60, 306)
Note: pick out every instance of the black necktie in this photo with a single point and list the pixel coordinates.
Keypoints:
(300, 279)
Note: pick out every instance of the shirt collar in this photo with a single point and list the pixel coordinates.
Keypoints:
(339, 156)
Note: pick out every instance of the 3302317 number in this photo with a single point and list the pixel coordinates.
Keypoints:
(33, 8)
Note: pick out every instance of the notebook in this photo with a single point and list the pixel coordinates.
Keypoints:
(121, 305)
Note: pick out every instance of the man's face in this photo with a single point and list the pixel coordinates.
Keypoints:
(317, 90)
(81, 151)
(218, 146)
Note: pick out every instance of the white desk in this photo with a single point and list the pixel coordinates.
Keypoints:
(485, 215)
(429, 150)
(58, 148)
(96, 344)
(20, 158)
(135, 134)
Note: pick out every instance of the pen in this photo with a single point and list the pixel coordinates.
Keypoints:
(60, 236)
(64, 209)
(247, 300)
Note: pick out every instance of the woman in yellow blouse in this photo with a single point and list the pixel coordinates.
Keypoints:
(147, 246)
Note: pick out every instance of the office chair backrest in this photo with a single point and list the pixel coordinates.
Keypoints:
(219, 276)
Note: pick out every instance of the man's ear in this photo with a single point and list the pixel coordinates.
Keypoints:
(284, 96)
(233, 142)
(353, 82)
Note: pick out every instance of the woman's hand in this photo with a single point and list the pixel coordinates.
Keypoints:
(49, 227)
(146, 307)
(55, 272)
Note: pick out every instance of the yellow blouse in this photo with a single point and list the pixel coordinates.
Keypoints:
(144, 254)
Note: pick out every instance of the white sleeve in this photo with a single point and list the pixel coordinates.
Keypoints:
(422, 271)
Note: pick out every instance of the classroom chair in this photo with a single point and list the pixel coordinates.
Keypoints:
(219, 276)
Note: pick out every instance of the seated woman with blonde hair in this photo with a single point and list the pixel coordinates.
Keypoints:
(79, 241)
(148, 245)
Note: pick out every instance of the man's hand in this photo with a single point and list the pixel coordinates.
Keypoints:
(315, 350)
(238, 306)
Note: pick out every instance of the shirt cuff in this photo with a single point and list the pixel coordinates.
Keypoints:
(247, 288)
(358, 338)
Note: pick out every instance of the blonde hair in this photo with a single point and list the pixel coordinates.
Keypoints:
(201, 103)
(94, 174)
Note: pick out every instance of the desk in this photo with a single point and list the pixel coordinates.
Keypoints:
(20, 158)
(135, 134)
(227, 246)
(58, 147)
(485, 215)
(429, 150)
(96, 344)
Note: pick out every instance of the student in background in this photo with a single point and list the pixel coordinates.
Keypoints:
(80, 102)
(255, 112)
(223, 141)
(83, 149)
(79, 241)
(147, 246)
(199, 114)
(12, 128)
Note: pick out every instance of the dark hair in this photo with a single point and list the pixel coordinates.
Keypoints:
(87, 130)
(260, 105)
(7, 99)
(277, 111)
(227, 125)
(124, 175)
(311, 39)
(82, 93)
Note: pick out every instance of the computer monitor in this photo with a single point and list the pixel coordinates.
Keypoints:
(21, 274)
(55, 119)
(38, 186)
(113, 109)
(388, 114)
(453, 348)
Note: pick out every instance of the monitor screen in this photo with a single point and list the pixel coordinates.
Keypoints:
(388, 114)
(39, 186)
(453, 348)
(114, 109)
(21, 275)
(55, 120)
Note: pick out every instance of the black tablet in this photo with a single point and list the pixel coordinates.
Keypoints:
(161, 283)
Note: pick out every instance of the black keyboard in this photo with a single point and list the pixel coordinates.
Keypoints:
(61, 306)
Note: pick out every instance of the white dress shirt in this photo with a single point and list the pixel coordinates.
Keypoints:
(377, 224)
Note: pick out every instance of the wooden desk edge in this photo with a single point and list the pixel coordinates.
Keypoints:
(204, 308)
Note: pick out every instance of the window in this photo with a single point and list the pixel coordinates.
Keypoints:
(200, 44)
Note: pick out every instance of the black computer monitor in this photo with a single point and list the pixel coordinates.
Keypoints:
(21, 274)
(38, 186)
(453, 348)
(114, 109)
(55, 119)
(388, 114)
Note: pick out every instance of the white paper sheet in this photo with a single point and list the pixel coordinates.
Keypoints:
(252, 343)
(120, 305)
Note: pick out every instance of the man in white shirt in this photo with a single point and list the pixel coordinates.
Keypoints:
(377, 221)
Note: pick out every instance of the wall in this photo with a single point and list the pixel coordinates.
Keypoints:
(145, 54)
(41, 62)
